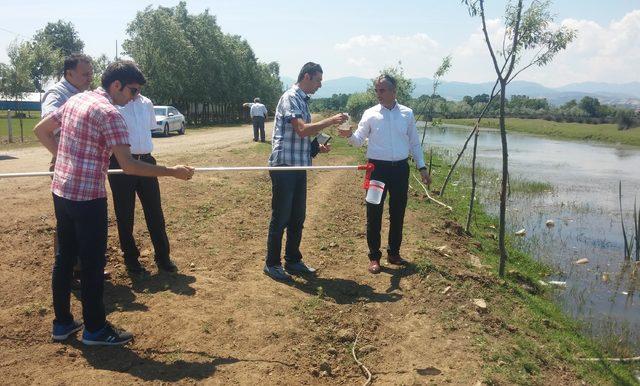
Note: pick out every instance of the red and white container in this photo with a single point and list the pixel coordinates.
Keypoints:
(374, 193)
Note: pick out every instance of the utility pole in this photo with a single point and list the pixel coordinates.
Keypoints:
(116, 50)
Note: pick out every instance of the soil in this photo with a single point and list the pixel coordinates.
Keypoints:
(220, 320)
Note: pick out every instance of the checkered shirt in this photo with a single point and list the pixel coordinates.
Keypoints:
(288, 148)
(90, 126)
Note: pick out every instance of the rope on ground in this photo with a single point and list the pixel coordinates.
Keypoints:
(632, 359)
(362, 366)
(429, 196)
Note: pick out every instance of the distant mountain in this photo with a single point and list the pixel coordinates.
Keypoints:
(608, 93)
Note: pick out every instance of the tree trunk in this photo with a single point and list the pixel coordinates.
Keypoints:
(473, 181)
(505, 177)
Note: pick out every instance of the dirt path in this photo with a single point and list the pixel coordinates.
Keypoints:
(220, 320)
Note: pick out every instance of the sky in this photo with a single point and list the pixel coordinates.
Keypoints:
(361, 37)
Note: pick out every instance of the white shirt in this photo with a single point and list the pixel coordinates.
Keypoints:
(140, 119)
(258, 110)
(392, 134)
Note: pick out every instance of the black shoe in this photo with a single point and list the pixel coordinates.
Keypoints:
(135, 268)
(166, 265)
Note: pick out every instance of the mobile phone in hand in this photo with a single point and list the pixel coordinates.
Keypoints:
(323, 138)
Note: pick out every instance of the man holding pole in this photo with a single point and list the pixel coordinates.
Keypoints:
(291, 146)
(91, 128)
(391, 130)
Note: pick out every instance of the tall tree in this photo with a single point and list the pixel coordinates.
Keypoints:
(528, 34)
(36, 59)
(60, 36)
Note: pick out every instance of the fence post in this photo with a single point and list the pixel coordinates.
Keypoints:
(9, 128)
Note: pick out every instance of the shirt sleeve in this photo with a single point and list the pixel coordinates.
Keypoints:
(51, 103)
(414, 141)
(114, 129)
(362, 132)
(151, 113)
(291, 108)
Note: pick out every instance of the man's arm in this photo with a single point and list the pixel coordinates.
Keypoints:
(44, 132)
(132, 166)
(309, 129)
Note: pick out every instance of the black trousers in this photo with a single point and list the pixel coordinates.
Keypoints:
(395, 176)
(258, 127)
(288, 209)
(82, 231)
(124, 189)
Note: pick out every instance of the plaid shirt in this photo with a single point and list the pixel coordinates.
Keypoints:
(288, 148)
(90, 126)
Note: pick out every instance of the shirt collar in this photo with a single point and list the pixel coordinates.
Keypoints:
(301, 93)
(69, 86)
(395, 106)
(102, 92)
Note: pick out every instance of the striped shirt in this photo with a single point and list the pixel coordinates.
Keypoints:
(288, 148)
(55, 97)
(90, 126)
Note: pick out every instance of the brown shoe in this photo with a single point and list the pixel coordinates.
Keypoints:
(396, 260)
(374, 266)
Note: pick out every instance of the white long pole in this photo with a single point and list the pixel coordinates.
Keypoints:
(210, 169)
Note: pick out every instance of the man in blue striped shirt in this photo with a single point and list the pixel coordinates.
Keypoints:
(291, 146)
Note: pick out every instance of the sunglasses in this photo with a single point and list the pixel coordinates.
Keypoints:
(134, 91)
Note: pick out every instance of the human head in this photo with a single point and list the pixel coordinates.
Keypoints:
(122, 80)
(385, 87)
(78, 71)
(256, 100)
(310, 77)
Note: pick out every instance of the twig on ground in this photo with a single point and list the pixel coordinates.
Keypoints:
(362, 366)
(632, 359)
(429, 196)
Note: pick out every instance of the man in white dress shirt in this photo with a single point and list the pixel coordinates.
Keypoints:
(258, 113)
(391, 130)
(140, 119)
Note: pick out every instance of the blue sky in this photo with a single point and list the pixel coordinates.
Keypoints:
(360, 37)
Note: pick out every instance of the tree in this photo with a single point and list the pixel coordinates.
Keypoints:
(13, 83)
(528, 31)
(99, 65)
(37, 60)
(61, 36)
(625, 118)
(590, 105)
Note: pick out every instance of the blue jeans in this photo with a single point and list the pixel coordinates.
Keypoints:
(82, 232)
(288, 207)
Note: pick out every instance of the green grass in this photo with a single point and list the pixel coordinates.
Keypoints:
(607, 132)
(27, 127)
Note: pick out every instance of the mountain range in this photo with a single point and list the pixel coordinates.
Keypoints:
(624, 94)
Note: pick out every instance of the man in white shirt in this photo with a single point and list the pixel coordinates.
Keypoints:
(140, 119)
(391, 130)
(258, 114)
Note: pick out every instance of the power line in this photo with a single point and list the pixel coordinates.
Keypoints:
(11, 32)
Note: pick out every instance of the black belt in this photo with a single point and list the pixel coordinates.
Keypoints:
(141, 156)
(389, 163)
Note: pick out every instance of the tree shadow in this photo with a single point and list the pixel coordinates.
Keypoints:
(145, 366)
(342, 291)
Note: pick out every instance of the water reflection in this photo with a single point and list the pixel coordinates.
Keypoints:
(584, 206)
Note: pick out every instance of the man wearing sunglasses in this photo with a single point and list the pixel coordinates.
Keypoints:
(91, 128)
(140, 119)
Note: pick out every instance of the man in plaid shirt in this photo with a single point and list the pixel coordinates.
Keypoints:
(91, 129)
(291, 146)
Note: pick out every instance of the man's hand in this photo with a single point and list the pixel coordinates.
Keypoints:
(345, 132)
(426, 178)
(339, 119)
(182, 172)
(325, 148)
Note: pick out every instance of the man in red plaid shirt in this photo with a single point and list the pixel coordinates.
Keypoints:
(91, 129)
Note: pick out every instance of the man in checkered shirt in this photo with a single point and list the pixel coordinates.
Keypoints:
(291, 146)
(91, 129)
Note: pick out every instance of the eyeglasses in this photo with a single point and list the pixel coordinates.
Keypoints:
(134, 91)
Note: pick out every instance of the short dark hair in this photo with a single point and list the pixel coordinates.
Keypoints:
(71, 62)
(310, 68)
(387, 78)
(125, 71)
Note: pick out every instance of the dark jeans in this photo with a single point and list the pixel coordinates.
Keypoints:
(82, 232)
(395, 176)
(288, 207)
(124, 189)
(258, 126)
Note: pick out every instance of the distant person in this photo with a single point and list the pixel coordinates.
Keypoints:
(91, 128)
(291, 146)
(140, 119)
(77, 76)
(391, 130)
(258, 114)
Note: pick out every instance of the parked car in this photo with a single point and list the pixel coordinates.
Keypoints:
(168, 119)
